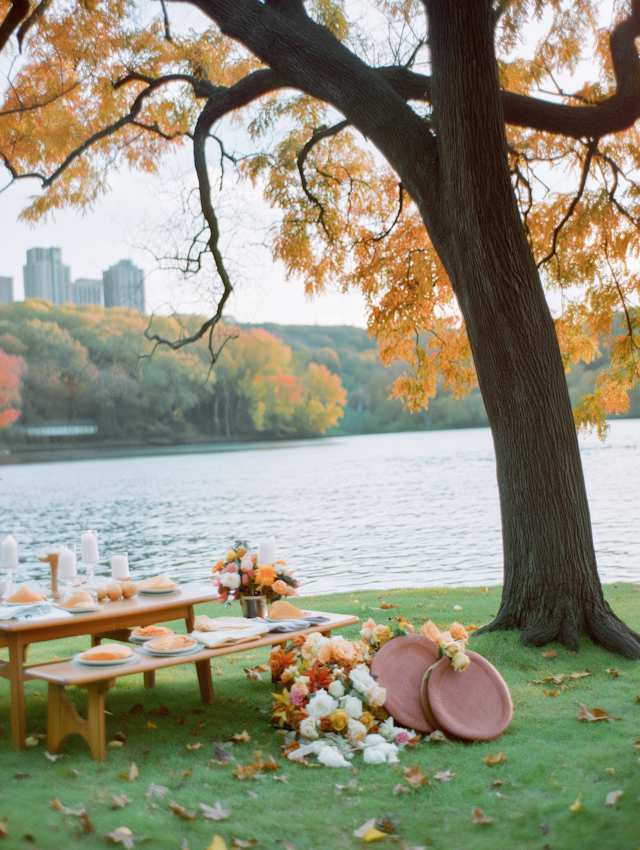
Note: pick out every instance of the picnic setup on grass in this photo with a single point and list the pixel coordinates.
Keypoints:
(333, 698)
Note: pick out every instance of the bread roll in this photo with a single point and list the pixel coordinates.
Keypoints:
(25, 594)
(106, 652)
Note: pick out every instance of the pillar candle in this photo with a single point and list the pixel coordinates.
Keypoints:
(267, 551)
(120, 566)
(67, 564)
(9, 553)
(89, 547)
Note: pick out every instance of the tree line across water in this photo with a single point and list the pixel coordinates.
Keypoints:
(269, 382)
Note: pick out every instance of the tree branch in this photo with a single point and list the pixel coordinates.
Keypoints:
(33, 18)
(16, 14)
(317, 136)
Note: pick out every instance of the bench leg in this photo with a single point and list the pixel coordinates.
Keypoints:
(205, 681)
(150, 679)
(63, 719)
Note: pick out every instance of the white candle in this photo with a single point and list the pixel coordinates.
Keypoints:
(9, 553)
(120, 566)
(89, 547)
(67, 564)
(267, 551)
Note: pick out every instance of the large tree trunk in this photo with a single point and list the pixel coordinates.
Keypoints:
(551, 585)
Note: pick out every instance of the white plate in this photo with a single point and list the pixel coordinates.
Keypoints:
(119, 662)
(153, 591)
(142, 639)
(160, 652)
(15, 604)
(87, 610)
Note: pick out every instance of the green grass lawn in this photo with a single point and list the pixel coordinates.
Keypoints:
(552, 759)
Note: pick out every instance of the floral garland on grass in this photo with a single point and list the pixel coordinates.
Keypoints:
(331, 700)
(239, 574)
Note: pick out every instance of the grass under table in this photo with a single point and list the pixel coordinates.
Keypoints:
(552, 759)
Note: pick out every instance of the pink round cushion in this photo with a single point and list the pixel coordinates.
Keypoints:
(473, 704)
(400, 666)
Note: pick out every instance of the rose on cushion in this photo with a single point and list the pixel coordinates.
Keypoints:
(458, 632)
(431, 631)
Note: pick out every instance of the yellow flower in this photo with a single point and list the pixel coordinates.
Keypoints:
(405, 624)
(460, 662)
(265, 576)
(381, 634)
(339, 719)
(231, 555)
(241, 551)
(367, 720)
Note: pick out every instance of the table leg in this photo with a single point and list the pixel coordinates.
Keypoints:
(16, 685)
(63, 719)
(203, 668)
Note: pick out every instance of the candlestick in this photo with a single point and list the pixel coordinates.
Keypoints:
(120, 566)
(89, 541)
(9, 561)
(50, 556)
(267, 550)
(67, 564)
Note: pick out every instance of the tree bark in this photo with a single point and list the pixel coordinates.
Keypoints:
(551, 585)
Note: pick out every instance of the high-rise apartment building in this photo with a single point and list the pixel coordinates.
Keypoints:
(46, 277)
(6, 290)
(86, 291)
(124, 286)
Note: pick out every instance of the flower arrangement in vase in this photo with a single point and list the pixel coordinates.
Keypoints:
(239, 575)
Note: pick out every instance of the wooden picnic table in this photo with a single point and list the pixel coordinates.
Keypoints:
(113, 622)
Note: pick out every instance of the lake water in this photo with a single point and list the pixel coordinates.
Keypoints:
(380, 511)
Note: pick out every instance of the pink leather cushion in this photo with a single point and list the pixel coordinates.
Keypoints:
(474, 704)
(400, 666)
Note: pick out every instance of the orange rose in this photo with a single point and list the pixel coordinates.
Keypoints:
(431, 631)
(347, 653)
(325, 724)
(219, 566)
(265, 576)
(367, 720)
(277, 663)
(297, 720)
(325, 653)
(458, 632)
(291, 591)
(280, 587)
(241, 551)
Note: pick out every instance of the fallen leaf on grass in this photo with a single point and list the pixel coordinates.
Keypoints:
(457, 607)
(214, 812)
(498, 783)
(179, 810)
(471, 627)
(612, 798)
(385, 606)
(217, 843)
(252, 674)
(282, 779)
(444, 776)
(115, 744)
(401, 789)
(119, 801)
(557, 680)
(577, 804)
(415, 777)
(21, 775)
(151, 725)
(52, 756)
(369, 832)
(138, 708)
(437, 737)
(552, 693)
(480, 818)
(196, 746)
(609, 770)
(76, 813)
(133, 773)
(238, 842)
(490, 760)
(249, 771)
(220, 754)
(550, 653)
(31, 741)
(4, 832)
(161, 711)
(636, 746)
(123, 835)
(288, 845)
(241, 736)
(593, 715)
(156, 791)
(580, 675)
(613, 672)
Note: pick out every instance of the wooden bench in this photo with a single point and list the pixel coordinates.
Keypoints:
(63, 719)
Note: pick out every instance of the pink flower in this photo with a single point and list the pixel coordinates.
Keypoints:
(246, 564)
(245, 579)
(297, 697)
(231, 568)
(402, 737)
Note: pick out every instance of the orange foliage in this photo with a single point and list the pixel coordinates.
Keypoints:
(10, 370)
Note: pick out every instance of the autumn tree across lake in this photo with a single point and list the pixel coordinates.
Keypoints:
(412, 159)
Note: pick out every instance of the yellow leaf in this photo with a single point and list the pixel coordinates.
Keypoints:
(114, 744)
(31, 741)
(217, 843)
(491, 759)
(574, 807)
(374, 835)
(151, 725)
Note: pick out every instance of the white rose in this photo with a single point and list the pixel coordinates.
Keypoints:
(374, 740)
(321, 704)
(332, 757)
(336, 689)
(372, 755)
(353, 706)
(460, 661)
(309, 728)
(230, 580)
(356, 732)
(376, 696)
(361, 679)
(279, 568)
(387, 730)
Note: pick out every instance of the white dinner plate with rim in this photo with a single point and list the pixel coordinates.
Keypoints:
(153, 591)
(118, 662)
(15, 604)
(142, 639)
(160, 653)
(85, 610)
